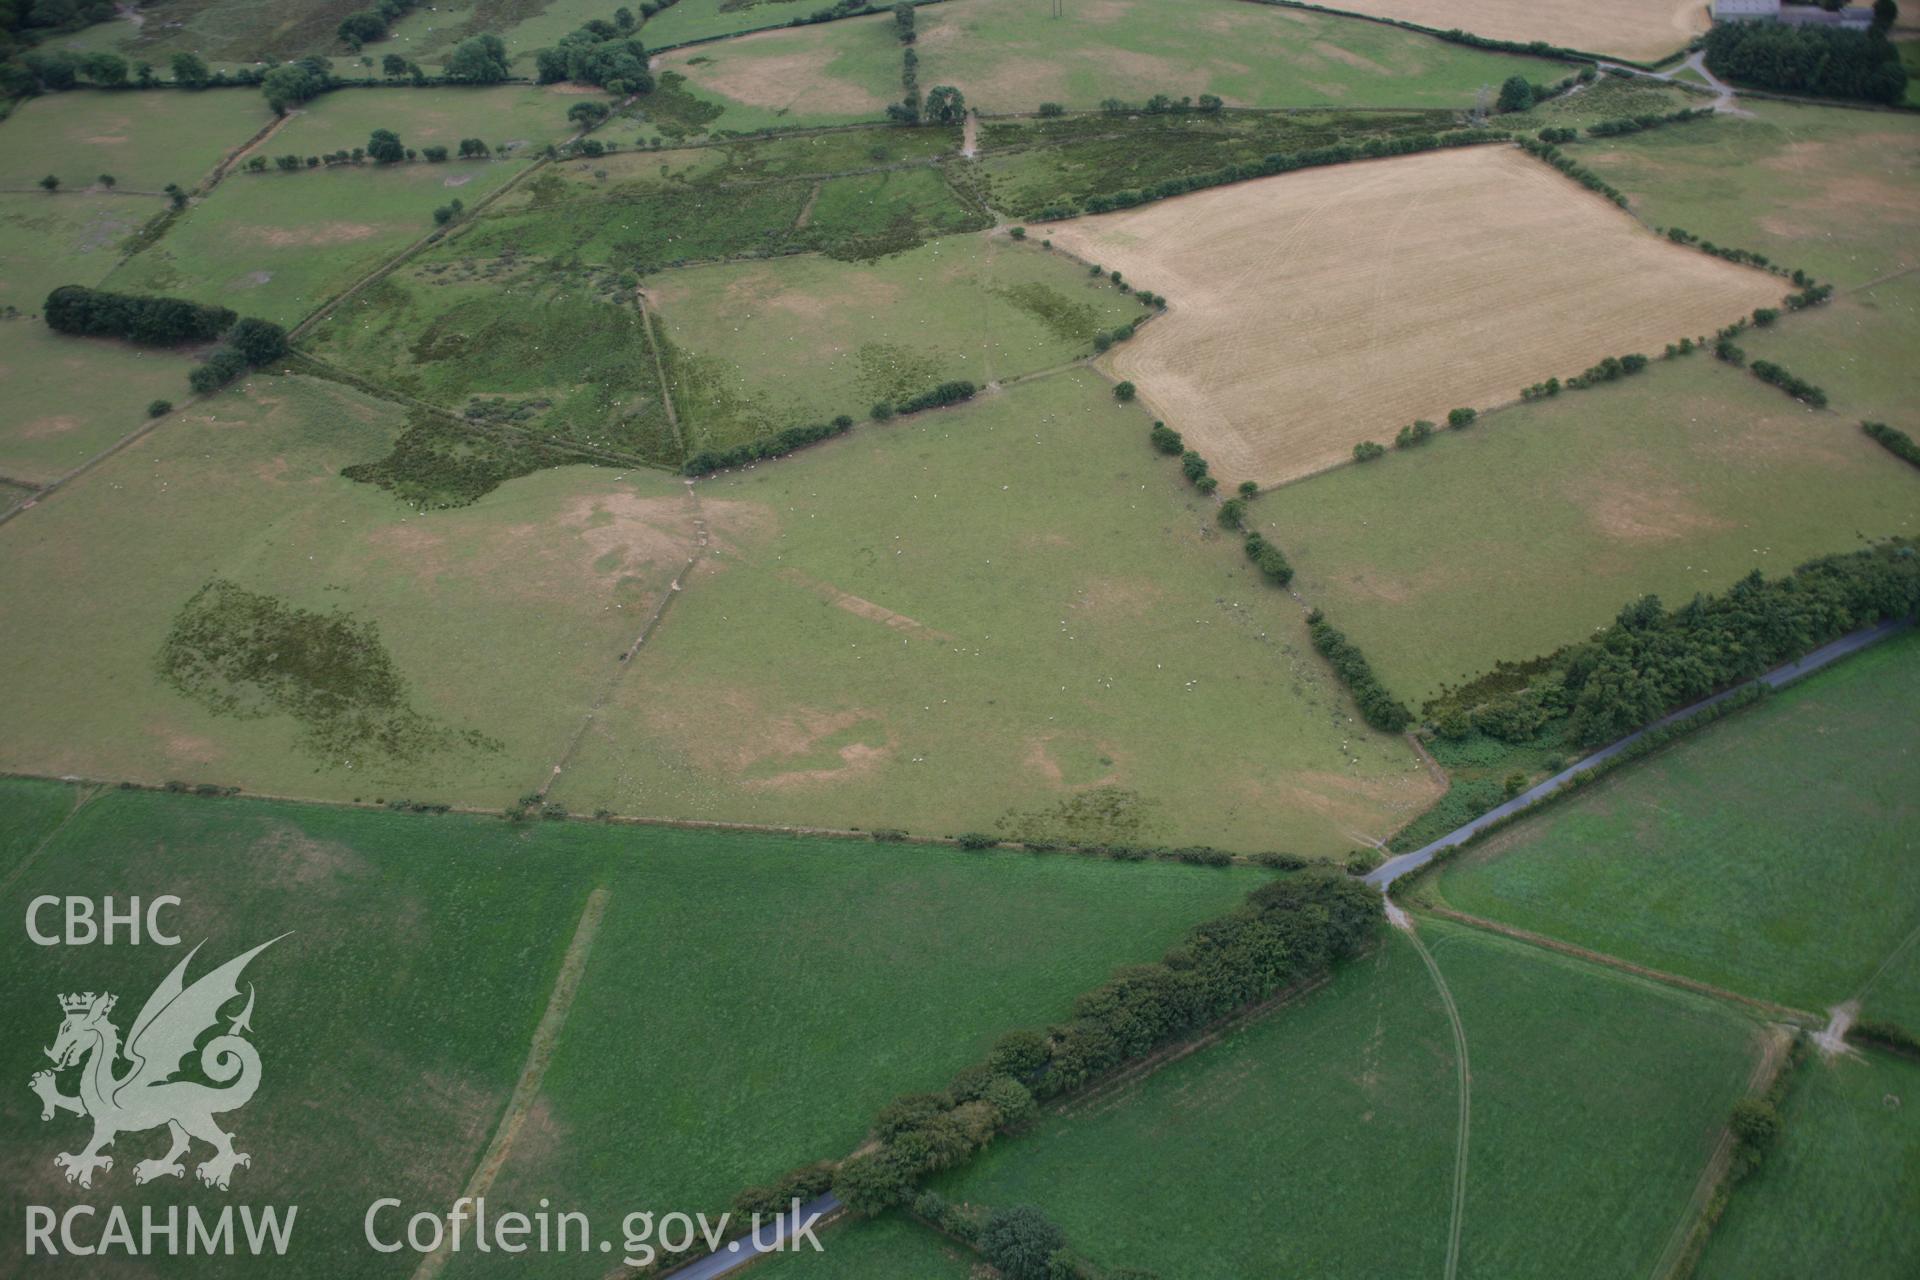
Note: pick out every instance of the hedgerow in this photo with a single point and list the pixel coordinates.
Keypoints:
(708, 461)
(1269, 560)
(1799, 388)
(1895, 441)
(1573, 169)
(1378, 707)
(1288, 930)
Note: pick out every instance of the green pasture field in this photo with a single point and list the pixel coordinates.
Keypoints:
(1776, 853)
(1840, 1190)
(700, 19)
(1030, 165)
(893, 1247)
(1229, 1161)
(822, 979)
(765, 345)
(1832, 192)
(394, 1017)
(825, 74)
(31, 812)
(1858, 349)
(69, 398)
(1012, 55)
(47, 241)
(144, 138)
(503, 116)
(423, 950)
(1893, 995)
(277, 245)
(566, 349)
(503, 619)
(1537, 525)
(1021, 621)
(645, 228)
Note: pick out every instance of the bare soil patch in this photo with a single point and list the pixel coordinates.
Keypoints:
(1318, 309)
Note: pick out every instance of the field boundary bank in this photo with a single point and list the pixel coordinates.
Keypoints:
(1662, 976)
(674, 588)
(876, 836)
(327, 371)
(1689, 1237)
(1383, 876)
(540, 1050)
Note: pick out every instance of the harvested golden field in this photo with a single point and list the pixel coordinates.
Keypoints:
(1315, 310)
(1643, 30)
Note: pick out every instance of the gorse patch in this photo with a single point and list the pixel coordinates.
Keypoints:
(438, 463)
(242, 654)
(1074, 321)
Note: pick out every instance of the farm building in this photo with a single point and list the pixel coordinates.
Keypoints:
(1851, 18)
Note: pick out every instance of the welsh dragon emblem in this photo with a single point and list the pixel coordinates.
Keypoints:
(145, 1095)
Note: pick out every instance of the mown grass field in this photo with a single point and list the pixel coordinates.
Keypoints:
(1009, 55)
(1645, 30)
(699, 19)
(69, 398)
(1776, 854)
(1840, 1190)
(278, 245)
(830, 73)
(47, 241)
(1024, 623)
(1538, 524)
(145, 139)
(503, 116)
(504, 618)
(764, 345)
(1595, 1102)
(1834, 193)
(397, 1014)
(1414, 286)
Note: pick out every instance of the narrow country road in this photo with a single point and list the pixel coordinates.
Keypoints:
(1393, 868)
(737, 1253)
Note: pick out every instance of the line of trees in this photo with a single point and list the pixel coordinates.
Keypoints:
(1378, 707)
(1573, 169)
(1269, 560)
(1651, 660)
(938, 397)
(1813, 60)
(1894, 440)
(143, 318)
(251, 344)
(1611, 369)
(1288, 931)
(1797, 387)
(1637, 124)
(708, 461)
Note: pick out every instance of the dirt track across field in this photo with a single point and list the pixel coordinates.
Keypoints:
(1317, 309)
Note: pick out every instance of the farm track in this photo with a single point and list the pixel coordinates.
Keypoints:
(87, 797)
(1464, 1072)
(526, 1090)
(659, 370)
